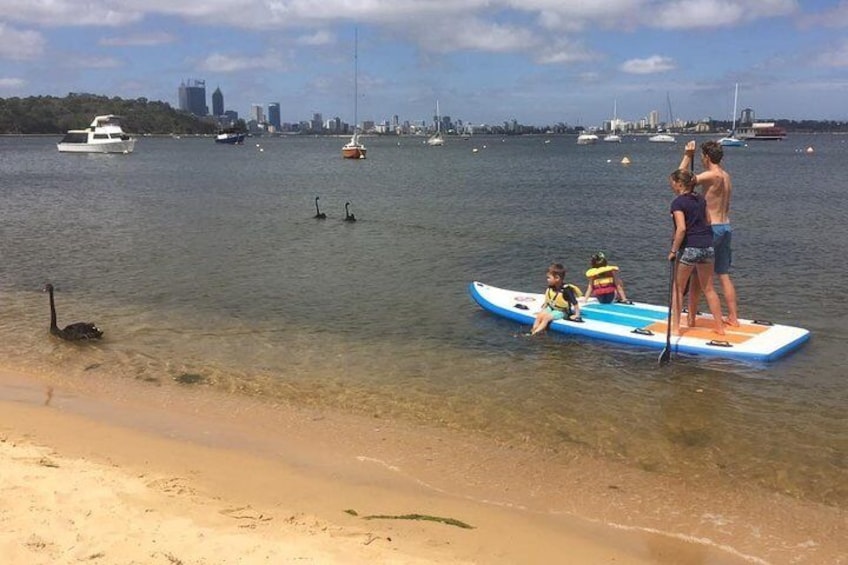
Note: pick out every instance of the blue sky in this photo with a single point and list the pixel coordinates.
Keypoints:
(485, 61)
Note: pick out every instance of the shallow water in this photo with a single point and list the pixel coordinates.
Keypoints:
(204, 265)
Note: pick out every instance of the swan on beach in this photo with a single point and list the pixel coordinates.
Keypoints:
(78, 331)
(319, 215)
(348, 216)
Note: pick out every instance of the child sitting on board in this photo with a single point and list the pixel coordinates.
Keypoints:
(560, 300)
(604, 282)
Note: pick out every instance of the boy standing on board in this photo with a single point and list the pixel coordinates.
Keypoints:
(560, 301)
(716, 189)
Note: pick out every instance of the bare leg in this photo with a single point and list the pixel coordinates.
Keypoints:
(541, 322)
(705, 275)
(729, 292)
(694, 296)
(683, 272)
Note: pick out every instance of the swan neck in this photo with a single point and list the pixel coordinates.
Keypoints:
(52, 310)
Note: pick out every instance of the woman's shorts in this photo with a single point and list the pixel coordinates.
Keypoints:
(694, 255)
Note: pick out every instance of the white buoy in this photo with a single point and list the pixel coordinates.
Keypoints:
(810, 149)
(625, 160)
(475, 150)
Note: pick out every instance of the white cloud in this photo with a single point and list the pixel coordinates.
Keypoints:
(11, 83)
(836, 57)
(56, 13)
(320, 37)
(565, 52)
(92, 62)
(688, 14)
(651, 65)
(140, 40)
(19, 45)
(222, 63)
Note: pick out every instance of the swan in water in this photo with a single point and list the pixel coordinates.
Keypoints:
(74, 332)
(319, 215)
(348, 216)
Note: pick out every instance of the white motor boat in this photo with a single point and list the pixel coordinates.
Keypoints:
(587, 139)
(662, 138)
(104, 135)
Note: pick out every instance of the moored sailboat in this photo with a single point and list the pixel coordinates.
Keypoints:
(612, 137)
(436, 140)
(354, 149)
(732, 140)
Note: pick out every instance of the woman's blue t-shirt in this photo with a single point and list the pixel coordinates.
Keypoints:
(694, 208)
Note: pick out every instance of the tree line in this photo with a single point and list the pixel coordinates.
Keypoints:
(53, 115)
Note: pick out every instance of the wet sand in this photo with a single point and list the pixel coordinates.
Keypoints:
(138, 473)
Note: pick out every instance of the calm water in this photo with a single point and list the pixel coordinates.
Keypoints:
(203, 263)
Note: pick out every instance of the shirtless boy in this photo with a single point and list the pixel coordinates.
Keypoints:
(716, 188)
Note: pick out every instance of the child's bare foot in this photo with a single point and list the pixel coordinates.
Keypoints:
(731, 322)
(719, 330)
(675, 330)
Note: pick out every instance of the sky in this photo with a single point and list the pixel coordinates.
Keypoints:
(538, 62)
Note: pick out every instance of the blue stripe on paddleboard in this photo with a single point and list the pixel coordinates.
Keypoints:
(629, 315)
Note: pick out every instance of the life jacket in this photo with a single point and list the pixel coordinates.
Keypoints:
(557, 300)
(602, 279)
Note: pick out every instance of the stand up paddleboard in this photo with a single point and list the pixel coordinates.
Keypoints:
(644, 325)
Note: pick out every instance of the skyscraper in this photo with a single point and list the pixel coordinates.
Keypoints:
(217, 103)
(274, 115)
(193, 97)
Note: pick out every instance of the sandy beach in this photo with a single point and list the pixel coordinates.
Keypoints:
(88, 488)
(147, 476)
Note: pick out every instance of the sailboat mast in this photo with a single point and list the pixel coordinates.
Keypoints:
(355, 79)
(735, 98)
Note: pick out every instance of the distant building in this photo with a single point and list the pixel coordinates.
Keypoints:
(274, 115)
(746, 117)
(317, 123)
(193, 97)
(257, 113)
(654, 119)
(217, 103)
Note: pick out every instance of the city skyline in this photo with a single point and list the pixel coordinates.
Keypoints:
(539, 63)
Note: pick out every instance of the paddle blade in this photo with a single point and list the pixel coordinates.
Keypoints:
(665, 356)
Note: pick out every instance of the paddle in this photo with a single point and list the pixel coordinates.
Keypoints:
(665, 356)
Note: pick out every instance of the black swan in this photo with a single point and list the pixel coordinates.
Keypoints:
(348, 216)
(75, 332)
(319, 215)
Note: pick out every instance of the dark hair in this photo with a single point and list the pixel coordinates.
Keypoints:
(599, 259)
(686, 178)
(713, 151)
(557, 270)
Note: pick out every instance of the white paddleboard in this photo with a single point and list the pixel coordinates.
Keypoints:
(644, 325)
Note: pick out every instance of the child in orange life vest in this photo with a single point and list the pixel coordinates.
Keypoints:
(604, 282)
(560, 300)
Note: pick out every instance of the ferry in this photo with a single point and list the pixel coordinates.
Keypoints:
(761, 131)
(104, 135)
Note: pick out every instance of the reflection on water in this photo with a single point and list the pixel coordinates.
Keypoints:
(204, 263)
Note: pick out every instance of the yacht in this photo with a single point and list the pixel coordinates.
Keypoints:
(587, 139)
(662, 138)
(230, 137)
(104, 135)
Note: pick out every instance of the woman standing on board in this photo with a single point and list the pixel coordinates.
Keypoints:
(692, 247)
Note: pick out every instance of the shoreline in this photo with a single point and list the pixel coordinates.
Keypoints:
(202, 454)
(291, 475)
